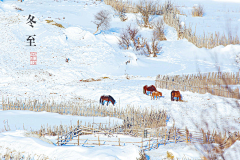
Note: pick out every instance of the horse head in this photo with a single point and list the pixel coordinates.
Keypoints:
(112, 100)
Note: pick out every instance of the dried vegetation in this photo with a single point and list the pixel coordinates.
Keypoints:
(54, 23)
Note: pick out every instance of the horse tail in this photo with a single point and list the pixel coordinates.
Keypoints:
(100, 101)
(144, 90)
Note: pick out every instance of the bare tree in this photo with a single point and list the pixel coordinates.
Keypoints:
(102, 20)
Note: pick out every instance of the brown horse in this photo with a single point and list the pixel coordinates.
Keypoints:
(107, 98)
(149, 89)
(175, 94)
(157, 94)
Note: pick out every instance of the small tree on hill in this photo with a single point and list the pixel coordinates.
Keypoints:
(102, 20)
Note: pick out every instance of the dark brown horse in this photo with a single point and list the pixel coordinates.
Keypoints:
(106, 98)
(175, 94)
(149, 89)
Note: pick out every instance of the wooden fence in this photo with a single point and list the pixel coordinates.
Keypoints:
(216, 83)
(152, 139)
(133, 117)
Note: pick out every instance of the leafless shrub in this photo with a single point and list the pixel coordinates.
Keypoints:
(146, 8)
(142, 155)
(102, 20)
(159, 30)
(124, 41)
(154, 49)
(121, 10)
(131, 38)
(122, 15)
(197, 11)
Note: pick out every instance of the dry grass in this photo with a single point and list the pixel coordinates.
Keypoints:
(54, 23)
(93, 80)
(197, 11)
(170, 155)
(134, 117)
(19, 9)
(159, 30)
(90, 80)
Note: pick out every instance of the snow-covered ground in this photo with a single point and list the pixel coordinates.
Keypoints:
(97, 56)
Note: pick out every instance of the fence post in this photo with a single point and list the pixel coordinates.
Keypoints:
(119, 142)
(175, 135)
(186, 134)
(149, 142)
(145, 133)
(58, 140)
(165, 137)
(98, 141)
(78, 138)
(204, 137)
(142, 142)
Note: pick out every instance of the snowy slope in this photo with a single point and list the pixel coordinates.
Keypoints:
(97, 56)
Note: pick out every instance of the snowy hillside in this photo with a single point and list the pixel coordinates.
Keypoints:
(98, 56)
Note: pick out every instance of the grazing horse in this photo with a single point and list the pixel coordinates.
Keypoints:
(175, 94)
(106, 98)
(150, 89)
(157, 94)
